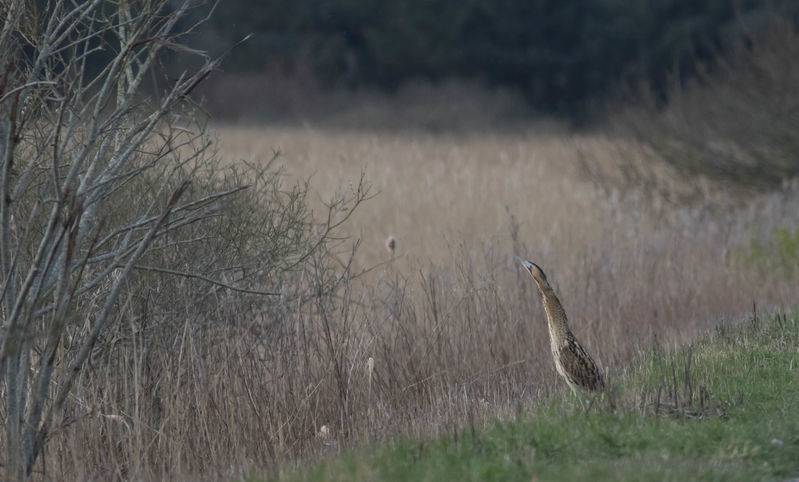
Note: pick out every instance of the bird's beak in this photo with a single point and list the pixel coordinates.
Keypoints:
(524, 262)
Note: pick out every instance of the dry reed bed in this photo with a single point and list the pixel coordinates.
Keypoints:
(452, 324)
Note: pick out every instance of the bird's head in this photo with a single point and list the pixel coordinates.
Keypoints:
(535, 271)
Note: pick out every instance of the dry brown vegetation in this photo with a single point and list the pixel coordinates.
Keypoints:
(276, 326)
(453, 325)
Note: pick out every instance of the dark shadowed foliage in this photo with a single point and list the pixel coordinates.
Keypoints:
(558, 53)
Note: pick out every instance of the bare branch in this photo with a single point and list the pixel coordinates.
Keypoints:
(77, 363)
(214, 282)
(26, 86)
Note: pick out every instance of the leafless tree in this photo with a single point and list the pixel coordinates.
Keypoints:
(83, 120)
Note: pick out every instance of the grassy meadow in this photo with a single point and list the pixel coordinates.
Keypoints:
(445, 332)
(719, 409)
(453, 325)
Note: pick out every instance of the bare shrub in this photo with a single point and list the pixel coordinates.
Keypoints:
(74, 140)
(123, 243)
(735, 123)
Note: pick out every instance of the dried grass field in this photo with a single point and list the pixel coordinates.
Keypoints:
(450, 317)
(486, 197)
(444, 330)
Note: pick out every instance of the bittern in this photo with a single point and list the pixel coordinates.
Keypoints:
(573, 363)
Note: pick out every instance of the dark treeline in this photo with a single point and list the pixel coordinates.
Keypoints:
(559, 53)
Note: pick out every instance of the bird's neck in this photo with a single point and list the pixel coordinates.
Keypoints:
(556, 315)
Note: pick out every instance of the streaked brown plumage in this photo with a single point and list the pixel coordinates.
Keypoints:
(573, 363)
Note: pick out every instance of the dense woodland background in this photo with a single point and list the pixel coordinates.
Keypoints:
(561, 54)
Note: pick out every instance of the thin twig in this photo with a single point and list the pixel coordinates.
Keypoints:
(185, 274)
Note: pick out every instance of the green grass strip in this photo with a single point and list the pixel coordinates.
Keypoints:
(726, 408)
